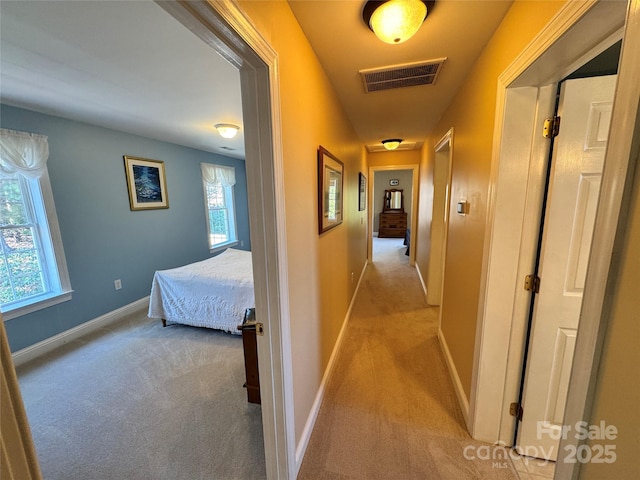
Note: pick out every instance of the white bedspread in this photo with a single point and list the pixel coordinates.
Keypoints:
(213, 293)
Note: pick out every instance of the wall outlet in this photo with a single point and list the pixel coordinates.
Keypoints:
(118, 284)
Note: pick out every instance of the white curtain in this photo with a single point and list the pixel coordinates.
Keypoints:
(225, 176)
(22, 153)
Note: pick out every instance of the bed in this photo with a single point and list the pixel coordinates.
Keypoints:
(213, 293)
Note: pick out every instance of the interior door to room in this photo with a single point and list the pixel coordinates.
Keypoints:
(577, 163)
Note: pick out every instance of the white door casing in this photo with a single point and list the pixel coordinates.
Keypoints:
(440, 217)
(585, 110)
(576, 34)
(231, 34)
(415, 169)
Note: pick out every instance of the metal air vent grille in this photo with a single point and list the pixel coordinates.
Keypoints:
(398, 76)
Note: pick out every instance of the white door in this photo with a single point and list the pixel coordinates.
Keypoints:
(585, 111)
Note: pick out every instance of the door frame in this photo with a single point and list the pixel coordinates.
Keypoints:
(222, 25)
(414, 207)
(445, 142)
(580, 31)
(611, 221)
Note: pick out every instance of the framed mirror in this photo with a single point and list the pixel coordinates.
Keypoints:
(393, 200)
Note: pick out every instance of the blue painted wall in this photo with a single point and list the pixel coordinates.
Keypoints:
(103, 239)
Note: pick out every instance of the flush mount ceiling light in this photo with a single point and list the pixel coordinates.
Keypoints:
(395, 21)
(227, 130)
(391, 143)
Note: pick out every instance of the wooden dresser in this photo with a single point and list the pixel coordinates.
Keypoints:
(393, 218)
(392, 225)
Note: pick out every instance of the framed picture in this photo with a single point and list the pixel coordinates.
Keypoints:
(330, 172)
(146, 183)
(362, 193)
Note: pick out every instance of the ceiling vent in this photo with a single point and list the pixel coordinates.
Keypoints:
(398, 76)
(380, 148)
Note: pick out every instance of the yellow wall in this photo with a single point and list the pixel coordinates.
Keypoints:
(399, 159)
(402, 157)
(472, 115)
(617, 393)
(320, 267)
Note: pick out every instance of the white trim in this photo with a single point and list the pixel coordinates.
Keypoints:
(224, 246)
(575, 29)
(517, 207)
(415, 185)
(422, 282)
(52, 251)
(54, 232)
(222, 25)
(315, 408)
(453, 373)
(41, 348)
(446, 140)
(621, 160)
(563, 20)
(11, 313)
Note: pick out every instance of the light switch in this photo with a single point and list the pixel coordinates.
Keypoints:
(462, 207)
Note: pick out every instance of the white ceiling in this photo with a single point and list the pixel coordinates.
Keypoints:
(126, 65)
(455, 29)
(129, 66)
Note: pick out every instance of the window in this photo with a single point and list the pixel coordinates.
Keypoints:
(218, 182)
(33, 272)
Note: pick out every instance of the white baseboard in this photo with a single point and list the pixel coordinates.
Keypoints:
(51, 343)
(315, 408)
(422, 282)
(457, 384)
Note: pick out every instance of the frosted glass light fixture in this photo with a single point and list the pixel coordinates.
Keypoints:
(391, 143)
(395, 21)
(227, 130)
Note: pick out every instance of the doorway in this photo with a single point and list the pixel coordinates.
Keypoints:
(440, 217)
(223, 26)
(573, 183)
(388, 178)
(392, 213)
(526, 95)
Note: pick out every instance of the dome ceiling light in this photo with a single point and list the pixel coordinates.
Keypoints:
(396, 21)
(391, 143)
(227, 130)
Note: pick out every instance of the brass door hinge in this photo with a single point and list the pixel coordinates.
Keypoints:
(551, 127)
(532, 283)
(515, 410)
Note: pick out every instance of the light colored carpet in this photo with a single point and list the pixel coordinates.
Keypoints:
(390, 410)
(139, 401)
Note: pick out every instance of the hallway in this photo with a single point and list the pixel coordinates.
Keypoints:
(390, 410)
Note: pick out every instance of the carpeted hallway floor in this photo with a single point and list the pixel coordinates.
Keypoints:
(138, 401)
(390, 411)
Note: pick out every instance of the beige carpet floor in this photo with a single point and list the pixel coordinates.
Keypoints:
(390, 411)
(136, 401)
